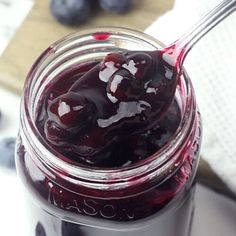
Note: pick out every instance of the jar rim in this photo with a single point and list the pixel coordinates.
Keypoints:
(94, 177)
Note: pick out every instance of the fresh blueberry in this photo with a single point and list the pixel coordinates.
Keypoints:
(70, 229)
(7, 152)
(39, 230)
(71, 12)
(116, 6)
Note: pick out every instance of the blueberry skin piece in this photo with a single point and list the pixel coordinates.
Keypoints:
(116, 6)
(39, 230)
(7, 152)
(71, 12)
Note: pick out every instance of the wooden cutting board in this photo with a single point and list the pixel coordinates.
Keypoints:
(40, 30)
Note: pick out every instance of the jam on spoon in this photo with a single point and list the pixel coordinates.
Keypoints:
(112, 106)
(120, 99)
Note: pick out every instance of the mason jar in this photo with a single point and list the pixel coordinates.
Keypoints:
(152, 197)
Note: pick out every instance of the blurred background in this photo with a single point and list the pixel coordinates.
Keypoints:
(27, 27)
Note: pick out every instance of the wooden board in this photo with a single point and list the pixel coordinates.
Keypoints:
(40, 29)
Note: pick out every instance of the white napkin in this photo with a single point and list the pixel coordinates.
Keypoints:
(12, 14)
(211, 66)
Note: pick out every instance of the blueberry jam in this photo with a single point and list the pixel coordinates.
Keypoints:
(101, 36)
(109, 113)
(109, 139)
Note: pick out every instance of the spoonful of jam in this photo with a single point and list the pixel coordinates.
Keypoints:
(122, 98)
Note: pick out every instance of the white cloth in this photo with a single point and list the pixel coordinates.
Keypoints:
(12, 14)
(211, 66)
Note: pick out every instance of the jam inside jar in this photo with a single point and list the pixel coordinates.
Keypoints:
(151, 196)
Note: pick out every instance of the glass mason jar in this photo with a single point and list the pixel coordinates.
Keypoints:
(151, 197)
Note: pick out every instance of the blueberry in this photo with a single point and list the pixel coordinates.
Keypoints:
(55, 134)
(71, 12)
(123, 86)
(116, 58)
(71, 109)
(70, 229)
(7, 152)
(116, 6)
(143, 63)
(39, 230)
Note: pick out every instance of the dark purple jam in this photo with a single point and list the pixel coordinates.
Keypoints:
(101, 36)
(111, 113)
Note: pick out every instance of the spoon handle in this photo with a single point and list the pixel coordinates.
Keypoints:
(182, 46)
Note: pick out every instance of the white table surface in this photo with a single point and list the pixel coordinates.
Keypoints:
(215, 215)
